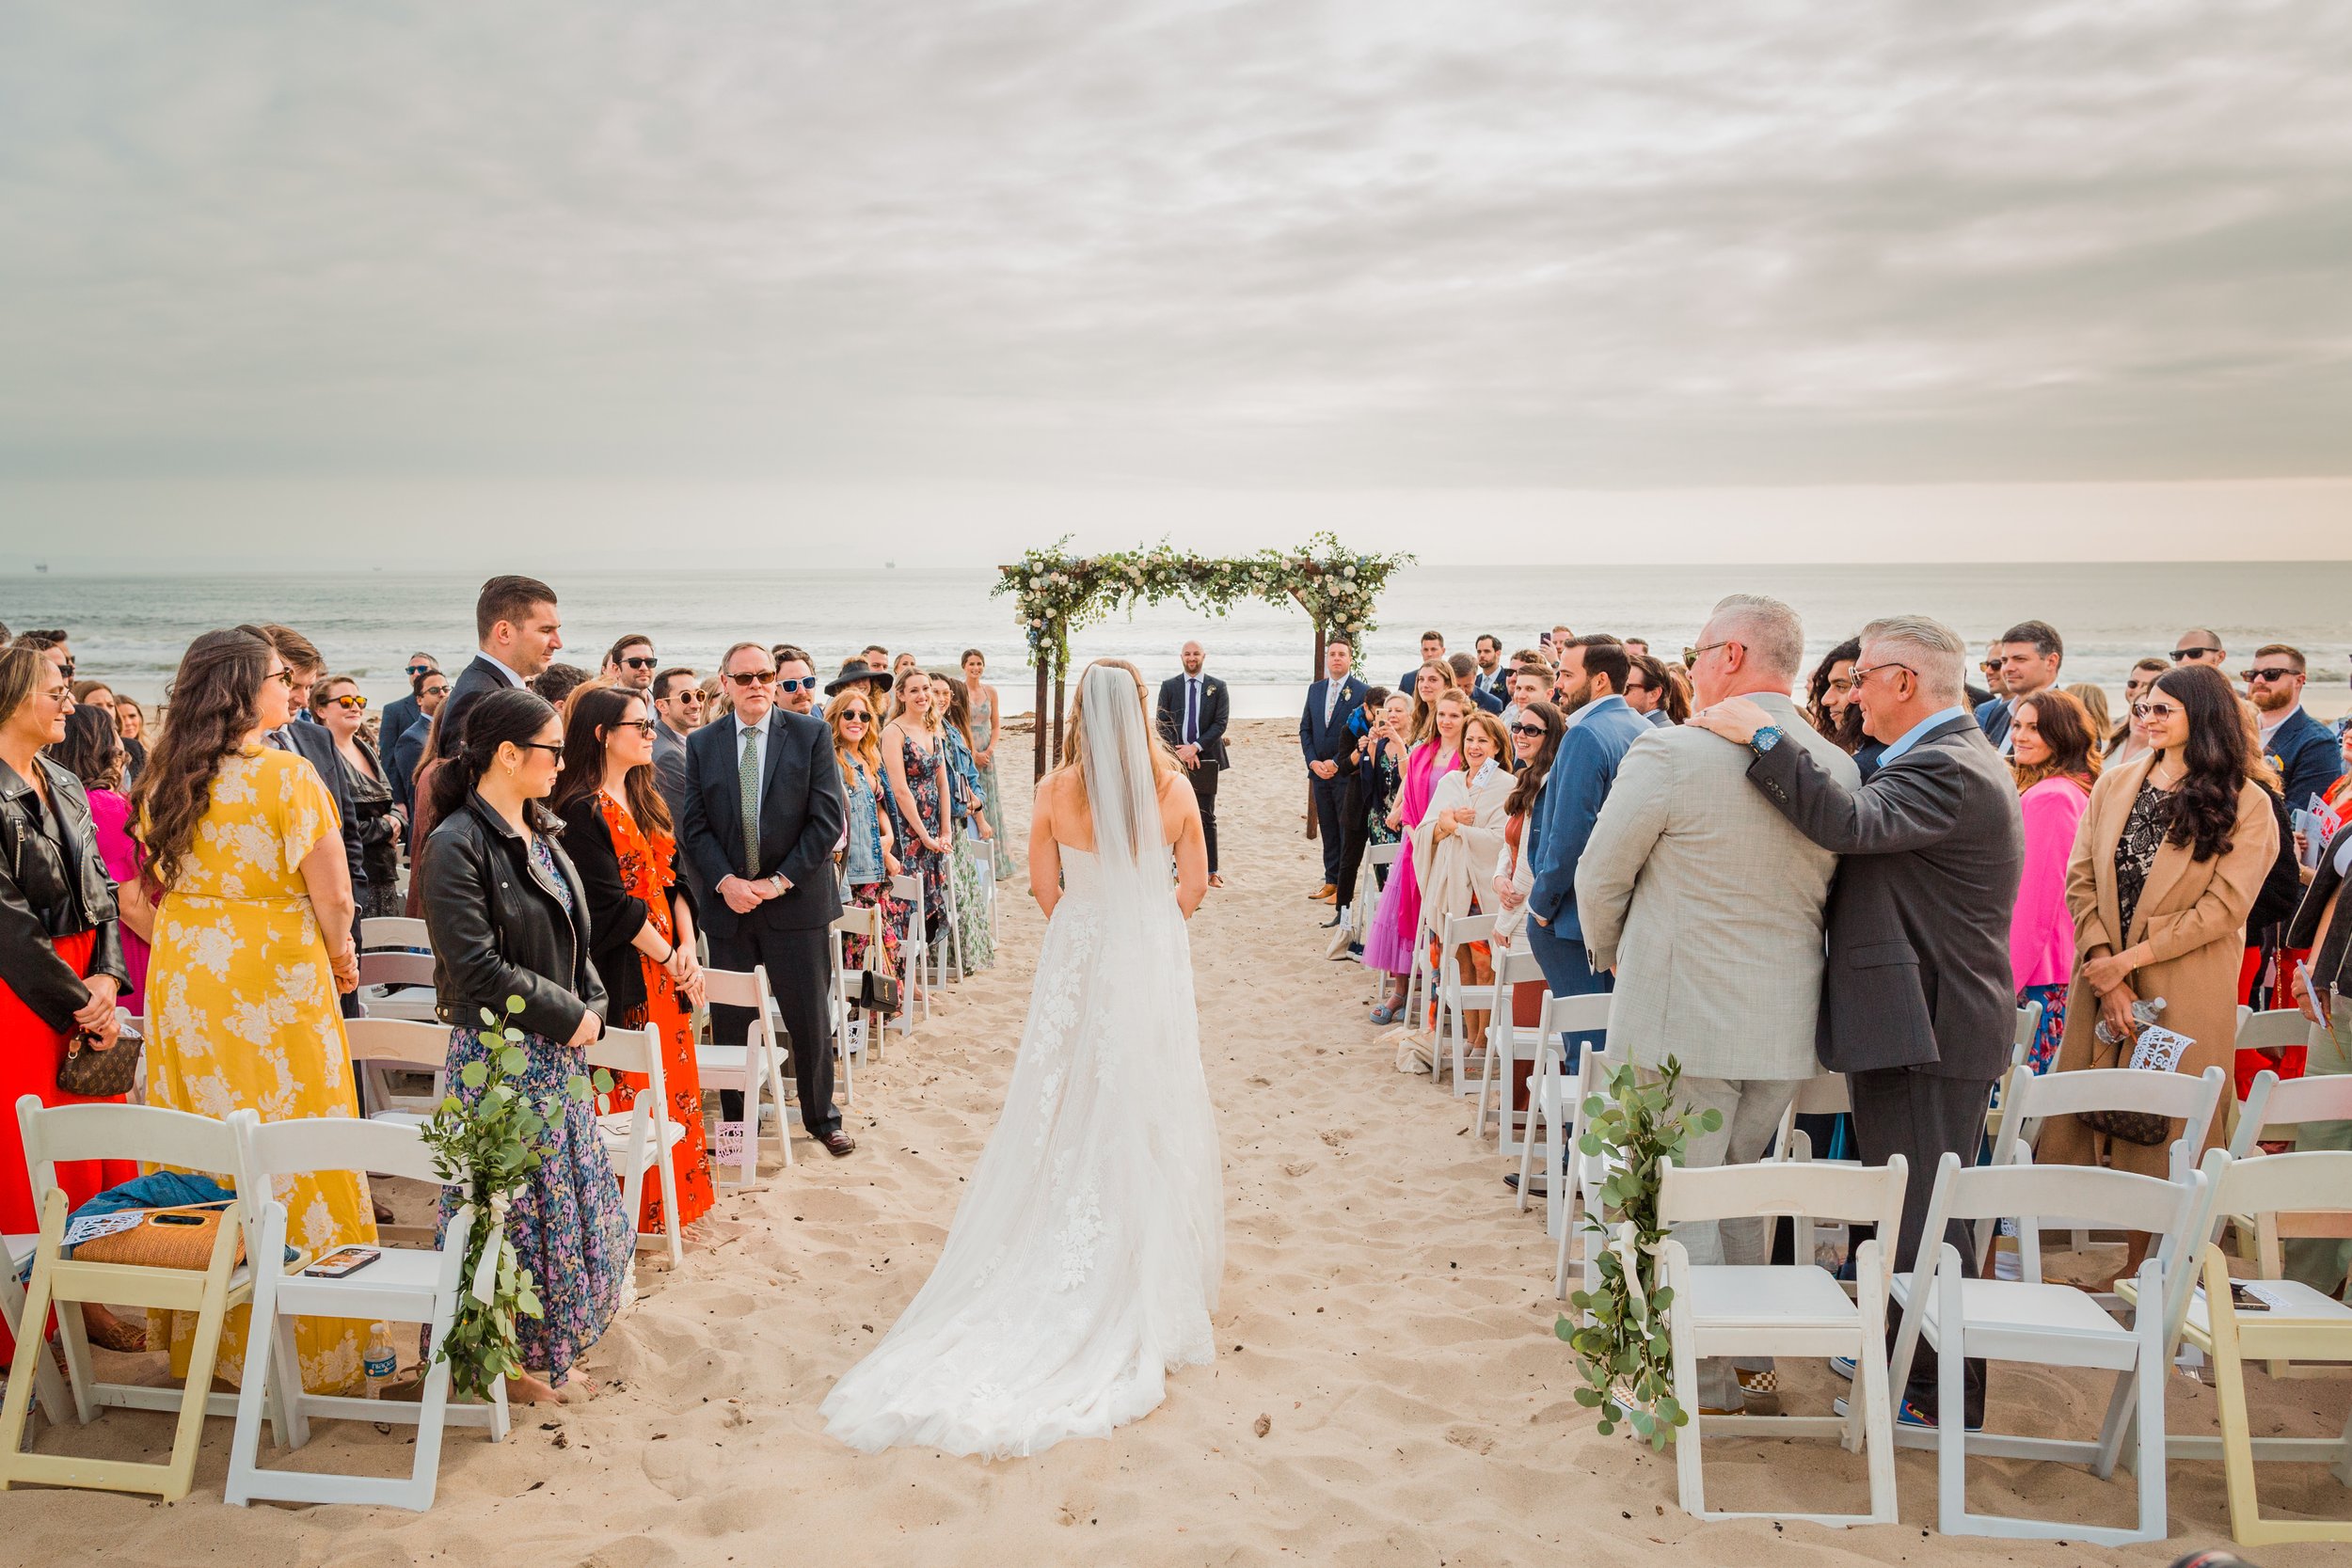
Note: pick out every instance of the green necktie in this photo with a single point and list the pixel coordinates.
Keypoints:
(747, 778)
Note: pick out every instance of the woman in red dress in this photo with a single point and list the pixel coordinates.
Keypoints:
(60, 947)
(640, 919)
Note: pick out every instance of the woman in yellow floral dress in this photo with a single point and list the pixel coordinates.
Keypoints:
(244, 857)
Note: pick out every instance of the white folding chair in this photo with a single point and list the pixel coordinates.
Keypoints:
(151, 1136)
(857, 1031)
(2274, 1103)
(402, 1285)
(2036, 1098)
(915, 951)
(1367, 902)
(639, 1139)
(1781, 1309)
(1457, 996)
(1825, 1094)
(2047, 1325)
(2019, 1046)
(839, 1035)
(752, 1069)
(383, 1046)
(1505, 1049)
(2275, 1030)
(396, 951)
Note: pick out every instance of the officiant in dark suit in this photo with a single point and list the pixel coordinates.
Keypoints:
(1194, 708)
(764, 809)
(1325, 740)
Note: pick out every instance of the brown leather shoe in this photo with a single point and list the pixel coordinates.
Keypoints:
(838, 1143)
(1325, 894)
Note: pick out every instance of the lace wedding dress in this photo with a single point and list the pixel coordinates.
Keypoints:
(1084, 1259)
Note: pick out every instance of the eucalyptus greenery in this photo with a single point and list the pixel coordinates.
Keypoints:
(1623, 1352)
(1058, 593)
(490, 1146)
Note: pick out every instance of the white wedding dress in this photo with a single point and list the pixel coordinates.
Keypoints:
(1083, 1263)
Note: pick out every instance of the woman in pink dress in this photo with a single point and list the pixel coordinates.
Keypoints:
(2055, 751)
(1438, 713)
(93, 751)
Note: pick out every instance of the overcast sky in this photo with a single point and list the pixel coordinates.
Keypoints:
(961, 272)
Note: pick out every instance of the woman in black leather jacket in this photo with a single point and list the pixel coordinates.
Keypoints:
(60, 944)
(509, 918)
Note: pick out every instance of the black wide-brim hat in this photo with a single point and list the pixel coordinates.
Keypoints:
(853, 672)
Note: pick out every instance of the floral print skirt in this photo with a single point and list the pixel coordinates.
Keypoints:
(567, 1224)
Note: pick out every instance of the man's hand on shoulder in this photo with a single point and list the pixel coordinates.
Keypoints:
(1736, 719)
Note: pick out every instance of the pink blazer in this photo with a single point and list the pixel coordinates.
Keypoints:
(2042, 931)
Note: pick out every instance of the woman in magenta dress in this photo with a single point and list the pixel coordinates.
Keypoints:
(92, 751)
(1437, 749)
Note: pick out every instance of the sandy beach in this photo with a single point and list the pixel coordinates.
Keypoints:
(1388, 1390)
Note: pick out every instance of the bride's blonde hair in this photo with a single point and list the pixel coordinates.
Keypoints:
(1073, 743)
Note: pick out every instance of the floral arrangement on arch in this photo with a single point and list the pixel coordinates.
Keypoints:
(1056, 592)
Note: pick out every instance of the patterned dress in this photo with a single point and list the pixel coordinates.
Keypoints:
(929, 866)
(567, 1224)
(648, 871)
(242, 1014)
(864, 789)
(992, 792)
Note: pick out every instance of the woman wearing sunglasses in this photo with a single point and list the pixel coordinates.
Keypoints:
(867, 858)
(2173, 848)
(337, 703)
(509, 916)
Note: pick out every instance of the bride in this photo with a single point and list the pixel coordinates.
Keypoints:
(1083, 1263)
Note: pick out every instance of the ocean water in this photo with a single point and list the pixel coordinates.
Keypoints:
(131, 629)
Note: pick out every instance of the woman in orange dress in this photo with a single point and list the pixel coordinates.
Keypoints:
(641, 920)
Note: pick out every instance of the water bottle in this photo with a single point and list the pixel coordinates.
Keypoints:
(380, 1361)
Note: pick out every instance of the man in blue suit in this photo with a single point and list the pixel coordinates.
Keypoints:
(2030, 653)
(1601, 728)
(1324, 740)
(2298, 745)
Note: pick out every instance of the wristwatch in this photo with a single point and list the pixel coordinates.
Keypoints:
(1764, 740)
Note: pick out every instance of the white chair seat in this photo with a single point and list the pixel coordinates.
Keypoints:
(613, 1128)
(20, 1248)
(399, 1118)
(1726, 1294)
(2022, 1316)
(2295, 1303)
(395, 1268)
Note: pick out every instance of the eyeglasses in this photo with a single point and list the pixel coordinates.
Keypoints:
(1691, 656)
(806, 682)
(62, 696)
(2180, 653)
(1863, 672)
(643, 726)
(285, 675)
(753, 677)
(2155, 710)
(552, 747)
(440, 690)
(1990, 665)
(2268, 672)
(645, 663)
(353, 702)
(416, 670)
(1527, 729)
(1637, 686)
(690, 696)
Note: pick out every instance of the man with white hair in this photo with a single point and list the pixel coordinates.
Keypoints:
(1918, 1010)
(1706, 904)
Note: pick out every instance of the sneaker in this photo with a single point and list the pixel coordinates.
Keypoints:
(1537, 1187)
(1908, 1414)
(1843, 1365)
(1754, 1383)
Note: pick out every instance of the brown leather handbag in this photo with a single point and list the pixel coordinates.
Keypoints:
(95, 1074)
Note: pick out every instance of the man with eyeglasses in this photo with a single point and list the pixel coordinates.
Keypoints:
(403, 711)
(2200, 645)
(764, 808)
(630, 664)
(2024, 664)
(1646, 687)
(677, 712)
(407, 752)
(2299, 746)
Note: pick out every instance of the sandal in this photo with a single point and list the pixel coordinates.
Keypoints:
(1385, 1013)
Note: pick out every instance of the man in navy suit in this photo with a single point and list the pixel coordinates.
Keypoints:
(764, 809)
(1432, 652)
(518, 633)
(1465, 671)
(2299, 746)
(1194, 707)
(1601, 729)
(2030, 653)
(1324, 740)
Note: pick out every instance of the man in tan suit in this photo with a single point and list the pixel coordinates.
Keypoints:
(1707, 905)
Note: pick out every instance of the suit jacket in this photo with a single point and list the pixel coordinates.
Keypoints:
(1657, 720)
(1321, 742)
(801, 812)
(1497, 685)
(1918, 921)
(1574, 792)
(475, 681)
(1708, 905)
(400, 761)
(1992, 718)
(1215, 710)
(400, 713)
(669, 770)
(1486, 700)
(2307, 757)
(313, 744)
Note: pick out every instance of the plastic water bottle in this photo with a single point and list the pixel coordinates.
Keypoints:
(380, 1361)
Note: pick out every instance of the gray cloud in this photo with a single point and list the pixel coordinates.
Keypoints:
(1102, 245)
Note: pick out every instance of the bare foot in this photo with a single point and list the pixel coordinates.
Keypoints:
(531, 1388)
(108, 1332)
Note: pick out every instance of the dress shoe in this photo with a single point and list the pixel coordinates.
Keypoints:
(1338, 914)
(1324, 895)
(838, 1143)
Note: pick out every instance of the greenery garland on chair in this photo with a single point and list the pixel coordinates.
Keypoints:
(1624, 1353)
(490, 1148)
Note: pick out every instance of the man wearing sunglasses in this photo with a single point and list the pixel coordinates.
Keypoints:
(764, 808)
(407, 752)
(630, 664)
(400, 712)
(795, 681)
(2200, 645)
(2301, 749)
(677, 712)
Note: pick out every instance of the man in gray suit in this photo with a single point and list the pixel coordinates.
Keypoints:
(1707, 905)
(1919, 1008)
(677, 712)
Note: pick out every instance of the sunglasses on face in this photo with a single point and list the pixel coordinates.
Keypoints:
(2268, 672)
(753, 677)
(2181, 653)
(552, 747)
(1527, 729)
(806, 682)
(1866, 671)
(416, 670)
(355, 704)
(855, 716)
(643, 726)
(2154, 710)
(1691, 656)
(647, 662)
(441, 690)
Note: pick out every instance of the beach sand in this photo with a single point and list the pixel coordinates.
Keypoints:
(1387, 1389)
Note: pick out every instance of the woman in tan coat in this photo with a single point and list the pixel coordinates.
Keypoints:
(2172, 851)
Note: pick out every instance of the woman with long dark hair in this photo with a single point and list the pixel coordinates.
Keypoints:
(61, 959)
(2173, 848)
(342, 709)
(93, 750)
(1535, 732)
(2054, 751)
(509, 916)
(251, 887)
(640, 918)
(2125, 742)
